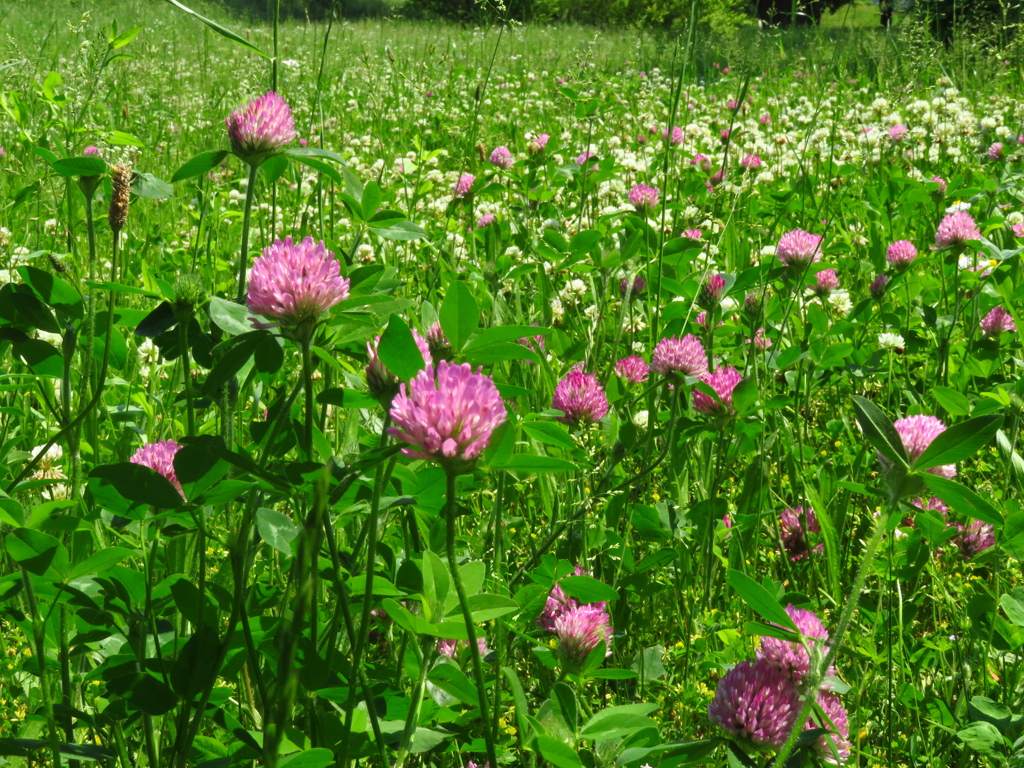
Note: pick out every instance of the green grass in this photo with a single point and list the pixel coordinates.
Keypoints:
(856, 15)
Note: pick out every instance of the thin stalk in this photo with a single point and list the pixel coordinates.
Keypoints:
(364, 625)
(186, 370)
(39, 640)
(243, 257)
(307, 387)
(97, 393)
(814, 680)
(467, 617)
(306, 557)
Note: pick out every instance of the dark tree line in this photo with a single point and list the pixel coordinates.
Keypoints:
(943, 16)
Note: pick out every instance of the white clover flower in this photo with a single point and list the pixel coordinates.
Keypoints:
(574, 290)
(557, 310)
(840, 301)
(514, 252)
(640, 419)
(889, 340)
(634, 324)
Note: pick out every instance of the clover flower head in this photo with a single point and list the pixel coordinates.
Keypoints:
(160, 458)
(581, 398)
(685, 356)
(261, 128)
(756, 703)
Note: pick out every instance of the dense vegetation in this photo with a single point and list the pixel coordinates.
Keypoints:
(704, 349)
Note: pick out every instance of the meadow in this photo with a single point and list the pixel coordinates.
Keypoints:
(386, 393)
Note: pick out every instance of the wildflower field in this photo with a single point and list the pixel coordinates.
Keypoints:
(402, 394)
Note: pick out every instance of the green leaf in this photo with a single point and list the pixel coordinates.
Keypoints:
(310, 758)
(136, 483)
(557, 752)
(982, 737)
(80, 166)
(519, 698)
(550, 433)
(962, 500)
(1011, 457)
(618, 722)
(879, 431)
(485, 607)
(371, 200)
(453, 681)
(276, 529)
(386, 218)
(756, 628)
(42, 358)
(835, 355)
(149, 186)
(459, 314)
(831, 537)
(124, 38)
(587, 589)
(200, 164)
(499, 353)
(219, 29)
(35, 551)
(100, 561)
(744, 396)
(1013, 607)
(506, 333)
(403, 230)
(398, 350)
(532, 464)
(612, 673)
(316, 164)
(325, 154)
(953, 402)
(236, 354)
(649, 664)
(274, 167)
(234, 319)
(85, 751)
(436, 585)
(759, 600)
(347, 398)
(959, 442)
(53, 291)
(408, 621)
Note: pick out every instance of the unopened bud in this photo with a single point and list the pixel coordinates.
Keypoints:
(440, 347)
(188, 293)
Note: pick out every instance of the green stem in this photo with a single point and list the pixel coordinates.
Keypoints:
(96, 395)
(307, 387)
(467, 617)
(370, 564)
(243, 257)
(39, 639)
(813, 682)
(306, 557)
(186, 369)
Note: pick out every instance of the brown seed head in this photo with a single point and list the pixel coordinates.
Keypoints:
(121, 183)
